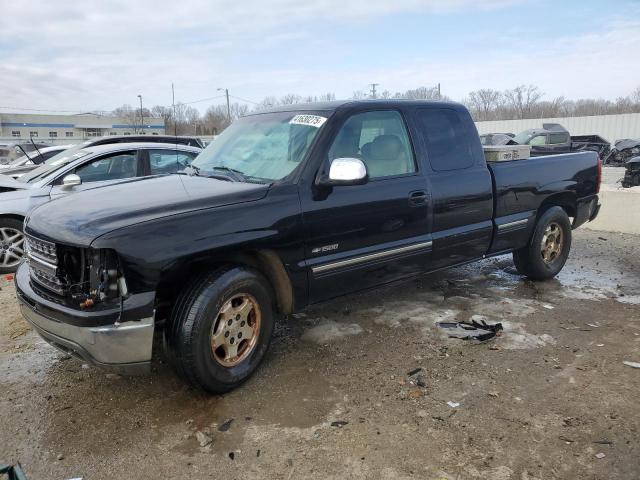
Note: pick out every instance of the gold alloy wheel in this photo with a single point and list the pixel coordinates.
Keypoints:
(552, 242)
(235, 331)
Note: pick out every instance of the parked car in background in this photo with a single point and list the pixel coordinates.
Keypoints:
(87, 168)
(189, 141)
(553, 138)
(287, 208)
(631, 173)
(11, 151)
(489, 139)
(34, 158)
(622, 151)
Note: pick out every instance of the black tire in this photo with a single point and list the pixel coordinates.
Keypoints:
(188, 334)
(529, 260)
(7, 251)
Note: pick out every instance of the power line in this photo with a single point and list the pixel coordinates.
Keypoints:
(244, 99)
(202, 100)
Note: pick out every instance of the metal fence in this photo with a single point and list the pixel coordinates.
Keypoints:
(610, 127)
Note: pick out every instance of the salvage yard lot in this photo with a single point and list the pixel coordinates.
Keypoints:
(334, 398)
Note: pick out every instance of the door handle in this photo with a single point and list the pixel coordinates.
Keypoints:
(418, 198)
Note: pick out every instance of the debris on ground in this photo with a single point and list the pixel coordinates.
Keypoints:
(203, 438)
(225, 426)
(13, 472)
(632, 364)
(453, 404)
(339, 423)
(600, 455)
(472, 330)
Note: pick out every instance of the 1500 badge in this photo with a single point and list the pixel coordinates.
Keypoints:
(325, 248)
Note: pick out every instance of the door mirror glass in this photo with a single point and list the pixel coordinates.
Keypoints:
(70, 181)
(348, 171)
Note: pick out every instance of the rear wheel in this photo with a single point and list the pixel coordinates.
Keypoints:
(549, 247)
(11, 244)
(220, 328)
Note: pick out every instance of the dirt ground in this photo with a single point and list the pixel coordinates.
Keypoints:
(550, 398)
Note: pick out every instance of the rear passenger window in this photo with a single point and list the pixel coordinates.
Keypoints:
(555, 138)
(379, 139)
(448, 142)
(168, 161)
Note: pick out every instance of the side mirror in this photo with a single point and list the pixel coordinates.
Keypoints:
(345, 171)
(70, 181)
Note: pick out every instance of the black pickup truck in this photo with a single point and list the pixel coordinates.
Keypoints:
(288, 208)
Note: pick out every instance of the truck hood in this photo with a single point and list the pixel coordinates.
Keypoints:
(80, 218)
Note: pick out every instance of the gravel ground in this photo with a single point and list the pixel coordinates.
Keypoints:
(550, 398)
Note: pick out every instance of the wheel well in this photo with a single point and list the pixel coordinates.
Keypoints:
(565, 200)
(266, 262)
(20, 218)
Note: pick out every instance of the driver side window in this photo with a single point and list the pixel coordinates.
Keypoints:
(114, 166)
(379, 139)
(538, 140)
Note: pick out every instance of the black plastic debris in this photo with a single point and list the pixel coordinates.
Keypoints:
(225, 426)
(12, 472)
(472, 330)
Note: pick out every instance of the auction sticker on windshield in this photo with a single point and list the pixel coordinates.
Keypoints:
(310, 120)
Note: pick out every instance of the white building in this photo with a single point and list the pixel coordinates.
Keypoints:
(21, 126)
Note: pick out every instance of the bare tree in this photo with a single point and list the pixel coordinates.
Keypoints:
(522, 98)
(485, 102)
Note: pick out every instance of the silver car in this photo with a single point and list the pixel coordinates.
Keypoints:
(83, 169)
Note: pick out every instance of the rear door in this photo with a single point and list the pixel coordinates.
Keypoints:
(460, 185)
(366, 235)
(102, 170)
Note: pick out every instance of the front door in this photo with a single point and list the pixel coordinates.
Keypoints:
(366, 235)
(100, 171)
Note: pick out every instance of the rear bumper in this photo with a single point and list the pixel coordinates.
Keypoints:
(587, 210)
(125, 347)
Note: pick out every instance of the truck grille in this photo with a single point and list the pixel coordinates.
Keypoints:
(43, 264)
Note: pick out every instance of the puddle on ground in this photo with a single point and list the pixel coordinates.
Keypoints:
(328, 331)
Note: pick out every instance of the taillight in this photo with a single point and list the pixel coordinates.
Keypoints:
(599, 176)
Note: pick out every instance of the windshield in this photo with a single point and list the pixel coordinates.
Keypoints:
(264, 147)
(53, 164)
(20, 161)
(523, 137)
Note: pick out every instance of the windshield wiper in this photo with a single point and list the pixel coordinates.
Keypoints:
(236, 175)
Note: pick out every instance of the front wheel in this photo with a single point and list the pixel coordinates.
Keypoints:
(220, 328)
(11, 244)
(549, 247)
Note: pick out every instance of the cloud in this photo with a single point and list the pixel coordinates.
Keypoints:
(76, 55)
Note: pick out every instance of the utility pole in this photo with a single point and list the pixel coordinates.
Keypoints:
(141, 115)
(173, 100)
(439, 96)
(226, 92)
(373, 89)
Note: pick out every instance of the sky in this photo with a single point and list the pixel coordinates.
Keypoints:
(80, 56)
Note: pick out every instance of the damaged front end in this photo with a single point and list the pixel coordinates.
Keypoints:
(77, 300)
(83, 277)
(631, 173)
(623, 151)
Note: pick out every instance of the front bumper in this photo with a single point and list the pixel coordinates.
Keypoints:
(125, 347)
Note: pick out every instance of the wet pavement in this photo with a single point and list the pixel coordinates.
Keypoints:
(359, 388)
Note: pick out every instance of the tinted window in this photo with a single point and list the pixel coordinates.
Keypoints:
(448, 142)
(378, 138)
(110, 167)
(555, 138)
(168, 161)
